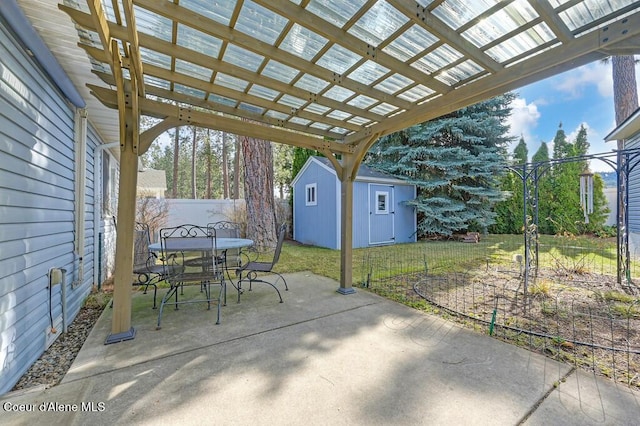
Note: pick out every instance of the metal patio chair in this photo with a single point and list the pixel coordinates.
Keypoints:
(207, 271)
(145, 262)
(249, 271)
(231, 258)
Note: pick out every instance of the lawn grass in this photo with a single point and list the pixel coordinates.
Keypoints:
(570, 253)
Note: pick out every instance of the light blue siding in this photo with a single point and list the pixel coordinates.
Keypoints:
(405, 216)
(37, 213)
(633, 202)
(316, 224)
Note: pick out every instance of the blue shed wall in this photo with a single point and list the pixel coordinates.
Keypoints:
(37, 210)
(405, 218)
(317, 225)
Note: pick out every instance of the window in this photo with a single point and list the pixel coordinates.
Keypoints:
(382, 202)
(311, 191)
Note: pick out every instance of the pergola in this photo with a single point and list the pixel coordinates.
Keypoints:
(330, 75)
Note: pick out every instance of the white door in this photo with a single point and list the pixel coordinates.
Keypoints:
(381, 212)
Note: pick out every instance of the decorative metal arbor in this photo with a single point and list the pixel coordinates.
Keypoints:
(623, 162)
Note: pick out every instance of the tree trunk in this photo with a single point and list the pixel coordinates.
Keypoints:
(236, 170)
(225, 168)
(194, 145)
(209, 165)
(176, 152)
(625, 91)
(258, 192)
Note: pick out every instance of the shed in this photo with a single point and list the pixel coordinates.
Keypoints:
(380, 215)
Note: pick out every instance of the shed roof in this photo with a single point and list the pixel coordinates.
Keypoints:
(365, 172)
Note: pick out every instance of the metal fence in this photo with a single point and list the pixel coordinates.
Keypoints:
(573, 309)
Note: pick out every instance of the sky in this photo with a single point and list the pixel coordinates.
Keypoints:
(581, 96)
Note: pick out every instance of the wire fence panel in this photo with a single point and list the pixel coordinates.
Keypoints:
(572, 310)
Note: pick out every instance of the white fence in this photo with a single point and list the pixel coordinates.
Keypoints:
(201, 212)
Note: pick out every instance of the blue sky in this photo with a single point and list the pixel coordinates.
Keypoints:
(581, 96)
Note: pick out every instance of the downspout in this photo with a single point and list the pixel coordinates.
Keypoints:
(80, 130)
(97, 206)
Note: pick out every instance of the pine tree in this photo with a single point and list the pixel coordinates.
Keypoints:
(456, 162)
(510, 213)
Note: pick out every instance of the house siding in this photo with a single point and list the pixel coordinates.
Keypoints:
(37, 210)
(633, 202)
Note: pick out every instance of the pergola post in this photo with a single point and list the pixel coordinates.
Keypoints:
(129, 119)
(121, 328)
(346, 231)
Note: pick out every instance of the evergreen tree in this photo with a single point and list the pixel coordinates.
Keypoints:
(542, 154)
(510, 213)
(520, 152)
(456, 162)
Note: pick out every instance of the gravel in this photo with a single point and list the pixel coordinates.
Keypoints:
(53, 364)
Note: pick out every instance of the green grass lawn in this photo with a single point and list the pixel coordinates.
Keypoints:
(586, 253)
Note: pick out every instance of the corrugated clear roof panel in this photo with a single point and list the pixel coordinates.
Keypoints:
(259, 22)
(340, 130)
(337, 13)
(500, 23)
(587, 11)
(338, 59)
(198, 41)
(263, 92)
(222, 100)
(317, 109)
(521, 43)
(438, 58)
(186, 90)
(231, 82)
(90, 38)
(302, 42)
(339, 115)
(338, 93)
(416, 93)
(360, 121)
(394, 83)
(383, 109)
(321, 126)
(155, 58)
(410, 43)
(311, 83)
(100, 66)
(300, 121)
(456, 13)
(241, 57)
(193, 70)
(460, 72)
(251, 108)
(362, 101)
(221, 12)
(156, 82)
(368, 72)
(378, 23)
(280, 71)
(276, 114)
(153, 24)
(291, 101)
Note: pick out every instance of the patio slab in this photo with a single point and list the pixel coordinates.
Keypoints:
(318, 358)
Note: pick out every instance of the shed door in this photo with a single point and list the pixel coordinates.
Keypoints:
(381, 212)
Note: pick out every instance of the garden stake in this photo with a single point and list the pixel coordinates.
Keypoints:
(493, 321)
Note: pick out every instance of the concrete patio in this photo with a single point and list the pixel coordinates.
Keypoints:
(318, 358)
